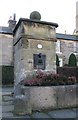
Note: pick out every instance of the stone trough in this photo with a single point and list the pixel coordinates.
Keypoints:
(49, 97)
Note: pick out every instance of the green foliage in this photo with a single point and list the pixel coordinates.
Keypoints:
(72, 60)
(57, 60)
(7, 75)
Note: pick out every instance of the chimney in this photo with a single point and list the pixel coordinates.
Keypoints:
(12, 22)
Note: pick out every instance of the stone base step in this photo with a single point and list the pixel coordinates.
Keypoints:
(8, 108)
(5, 115)
(6, 97)
(7, 103)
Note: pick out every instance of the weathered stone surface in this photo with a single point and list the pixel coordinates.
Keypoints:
(39, 31)
(6, 49)
(52, 97)
(24, 59)
(66, 96)
(26, 39)
(42, 97)
(22, 105)
(35, 30)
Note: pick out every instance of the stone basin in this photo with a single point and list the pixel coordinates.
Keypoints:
(38, 98)
(52, 97)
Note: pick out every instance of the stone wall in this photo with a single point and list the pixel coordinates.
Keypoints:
(6, 49)
(6, 59)
(67, 47)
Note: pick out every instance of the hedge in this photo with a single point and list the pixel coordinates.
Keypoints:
(7, 75)
(68, 71)
(57, 60)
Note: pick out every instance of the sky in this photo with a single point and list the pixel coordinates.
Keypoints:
(62, 12)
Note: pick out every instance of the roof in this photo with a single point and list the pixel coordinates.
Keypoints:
(66, 37)
(34, 21)
(5, 30)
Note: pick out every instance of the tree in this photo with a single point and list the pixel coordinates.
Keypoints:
(57, 60)
(72, 60)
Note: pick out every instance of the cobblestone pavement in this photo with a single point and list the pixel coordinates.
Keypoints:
(7, 110)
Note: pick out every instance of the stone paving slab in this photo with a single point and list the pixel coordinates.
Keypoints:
(75, 110)
(40, 115)
(52, 115)
(27, 117)
(7, 103)
(7, 89)
(16, 119)
(62, 114)
(7, 114)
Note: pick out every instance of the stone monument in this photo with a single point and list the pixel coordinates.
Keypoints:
(34, 47)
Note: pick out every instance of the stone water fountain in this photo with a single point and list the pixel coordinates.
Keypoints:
(34, 48)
